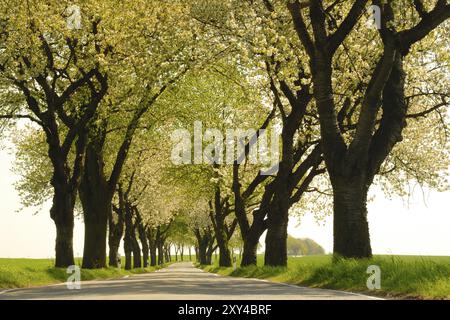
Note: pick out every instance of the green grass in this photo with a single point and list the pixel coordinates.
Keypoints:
(416, 277)
(22, 273)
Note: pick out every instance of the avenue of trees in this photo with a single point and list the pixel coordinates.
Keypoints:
(92, 109)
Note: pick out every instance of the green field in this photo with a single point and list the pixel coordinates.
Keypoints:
(22, 273)
(416, 277)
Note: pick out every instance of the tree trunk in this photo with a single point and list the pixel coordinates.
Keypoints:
(96, 200)
(351, 229)
(145, 255)
(251, 241)
(114, 236)
(64, 245)
(251, 235)
(94, 254)
(137, 258)
(128, 251)
(224, 251)
(168, 258)
(143, 239)
(113, 253)
(62, 209)
(160, 246)
(128, 240)
(151, 236)
(276, 239)
(218, 214)
(278, 211)
(209, 253)
(202, 254)
(202, 248)
(62, 214)
(277, 224)
(160, 255)
(153, 255)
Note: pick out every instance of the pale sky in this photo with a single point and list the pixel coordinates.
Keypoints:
(395, 227)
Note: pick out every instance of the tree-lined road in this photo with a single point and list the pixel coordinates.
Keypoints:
(181, 281)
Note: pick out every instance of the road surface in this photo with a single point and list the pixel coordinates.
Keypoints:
(180, 281)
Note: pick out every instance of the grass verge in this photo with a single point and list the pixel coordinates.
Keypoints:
(23, 273)
(410, 277)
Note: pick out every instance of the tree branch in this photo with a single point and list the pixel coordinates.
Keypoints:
(336, 39)
(300, 26)
(430, 21)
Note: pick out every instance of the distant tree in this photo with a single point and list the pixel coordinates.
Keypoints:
(305, 247)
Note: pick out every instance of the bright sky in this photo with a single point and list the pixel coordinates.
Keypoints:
(395, 227)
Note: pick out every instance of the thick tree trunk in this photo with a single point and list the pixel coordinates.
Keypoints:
(151, 236)
(113, 255)
(64, 245)
(62, 214)
(136, 249)
(250, 233)
(153, 255)
(143, 239)
(224, 250)
(137, 258)
(114, 236)
(351, 229)
(62, 208)
(145, 251)
(218, 215)
(96, 198)
(251, 241)
(128, 256)
(94, 254)
(167, 256)
(276, 240)
(221, 238)
(202, 248)
(277, 224)
(160, 253)
(278, 211)
(209, 254)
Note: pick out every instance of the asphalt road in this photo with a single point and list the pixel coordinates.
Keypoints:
(180, 281)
